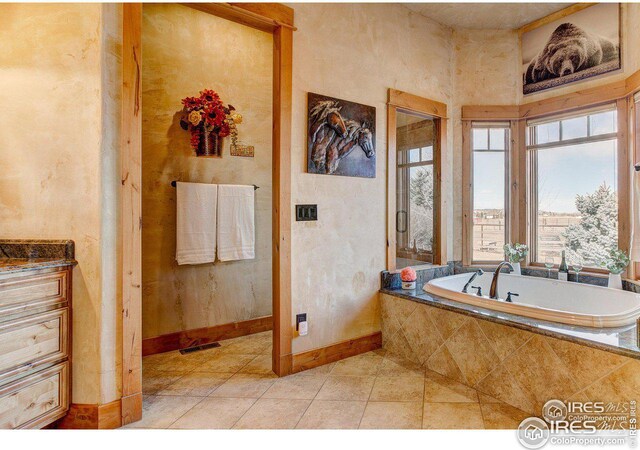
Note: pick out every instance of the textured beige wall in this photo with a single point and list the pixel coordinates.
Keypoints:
(353, 52)
(184, 51)
(486, 71)
(58, 143)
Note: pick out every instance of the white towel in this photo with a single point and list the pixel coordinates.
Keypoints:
(236, 225)
(196, 223)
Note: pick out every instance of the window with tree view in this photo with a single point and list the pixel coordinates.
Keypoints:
(415, 141)
(573, 163)
(490, 145)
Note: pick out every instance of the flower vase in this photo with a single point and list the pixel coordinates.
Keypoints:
(516, 269)
(615, 281)
(210, 145)
(408, 285)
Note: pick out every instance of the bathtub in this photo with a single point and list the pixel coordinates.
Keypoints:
(545, 299)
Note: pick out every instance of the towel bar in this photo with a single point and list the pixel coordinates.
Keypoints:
(173, 183)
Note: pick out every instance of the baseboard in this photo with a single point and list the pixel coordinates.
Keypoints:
(335, 352)
(131, 408)
(201, 336)
(92, 416)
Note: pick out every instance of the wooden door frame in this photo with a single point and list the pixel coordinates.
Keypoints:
(272, 18)
(405, 102)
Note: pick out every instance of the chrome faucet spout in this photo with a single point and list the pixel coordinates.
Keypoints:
(493, 292)
(477, 273)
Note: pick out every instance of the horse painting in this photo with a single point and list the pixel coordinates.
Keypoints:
(335, 128)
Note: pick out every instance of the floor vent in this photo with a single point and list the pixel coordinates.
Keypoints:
(197, 348)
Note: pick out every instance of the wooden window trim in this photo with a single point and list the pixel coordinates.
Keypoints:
(399, 101)
(511, 167)
(269, 17)
(619, 92)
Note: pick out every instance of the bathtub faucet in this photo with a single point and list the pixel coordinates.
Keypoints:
(478, 272)
(493, 292)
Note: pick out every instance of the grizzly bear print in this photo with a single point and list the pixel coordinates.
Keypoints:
(570, 49)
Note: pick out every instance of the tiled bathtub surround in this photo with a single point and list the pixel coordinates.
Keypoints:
(519, 367)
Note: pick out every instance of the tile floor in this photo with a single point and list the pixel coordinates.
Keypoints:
(233, 387)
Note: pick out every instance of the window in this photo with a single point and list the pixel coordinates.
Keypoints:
(573, 194)
(416, 139)
(490, 162)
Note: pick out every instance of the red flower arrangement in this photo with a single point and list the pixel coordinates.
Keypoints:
(204, 115)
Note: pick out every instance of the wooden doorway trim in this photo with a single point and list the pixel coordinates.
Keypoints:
(409, 103)
(268, 17)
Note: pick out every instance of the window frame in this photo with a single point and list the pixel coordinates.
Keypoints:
(399, 101)
(406, 182)
(531, 151)
(468, 200)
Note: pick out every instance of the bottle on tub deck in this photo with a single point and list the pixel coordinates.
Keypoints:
(563, 271)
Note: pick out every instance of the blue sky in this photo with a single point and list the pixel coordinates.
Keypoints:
(563, 173)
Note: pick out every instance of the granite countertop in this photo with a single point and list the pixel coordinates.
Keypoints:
(621, 340)
(11, 265)
(19, 255)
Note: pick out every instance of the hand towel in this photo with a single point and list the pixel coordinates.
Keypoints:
(236, 223)
(196, 223)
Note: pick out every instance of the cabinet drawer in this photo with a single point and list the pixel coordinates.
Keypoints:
(37, 400)
(35, 290)
(32, 341)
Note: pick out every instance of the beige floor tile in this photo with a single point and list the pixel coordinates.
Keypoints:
(397, 389)
(397, 366)
(214, 413)
(458, 416)
(248, 345)
(500, 416)
(156, 380)
(392, 415)
(196, 384)
(226, 362)
(162, 411)
(169, 361)
(262, 364)
(323, 370)
(244, 385)
(439, 389)
(332, 415)
(295, 387)
(346, 388)
(271, 413)
(361, 365)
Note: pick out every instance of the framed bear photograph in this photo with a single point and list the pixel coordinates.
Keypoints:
(582, 42)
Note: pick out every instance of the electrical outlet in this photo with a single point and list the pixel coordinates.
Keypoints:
(300, 318)
(301, 324)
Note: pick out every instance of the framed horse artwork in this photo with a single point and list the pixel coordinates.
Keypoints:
(341, 137)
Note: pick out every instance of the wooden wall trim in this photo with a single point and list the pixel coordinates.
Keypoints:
(200, 336)
(267, 17)
(467, 194)
(131, 170)
(404, 100)
(391, 187)
(281, 219)
(92, 417)
(490, 112)
(335, 352)
(554, 16)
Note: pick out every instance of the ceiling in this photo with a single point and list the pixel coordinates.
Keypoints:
(488, 16)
